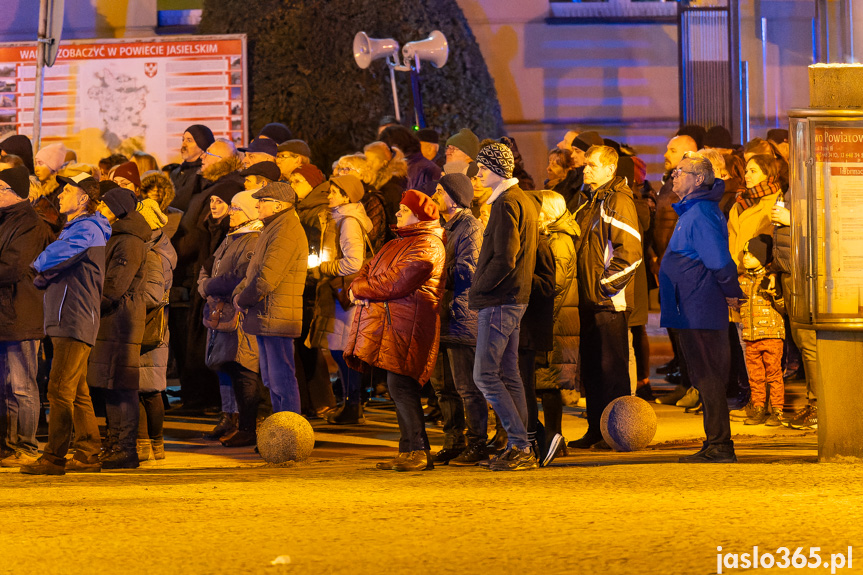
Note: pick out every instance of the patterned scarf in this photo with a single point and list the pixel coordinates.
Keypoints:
(750, 196)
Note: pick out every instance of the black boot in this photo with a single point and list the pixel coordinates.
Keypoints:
(351, 414)
(121, 459)
(227, 424)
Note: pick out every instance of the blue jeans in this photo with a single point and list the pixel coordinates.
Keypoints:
(278, 372)
(461, 360)
(19, 395)
(226, 391)
(495, 370)
(351, 379)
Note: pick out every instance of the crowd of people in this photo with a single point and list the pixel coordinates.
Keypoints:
(419, 266)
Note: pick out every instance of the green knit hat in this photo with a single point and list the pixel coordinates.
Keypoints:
(466, 141)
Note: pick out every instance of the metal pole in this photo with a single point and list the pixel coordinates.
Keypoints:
(395, 93)
(736, 86)
(40, 80)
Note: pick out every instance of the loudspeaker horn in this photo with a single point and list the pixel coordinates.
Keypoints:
(367, 50)
(433, 49)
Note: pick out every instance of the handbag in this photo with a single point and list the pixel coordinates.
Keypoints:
(155, 326)
(220, 315)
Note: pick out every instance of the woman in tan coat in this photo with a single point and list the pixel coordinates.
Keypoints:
(750, 216)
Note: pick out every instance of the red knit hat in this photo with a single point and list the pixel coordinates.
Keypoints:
(421, 205)
(129, 170)
(311, 173)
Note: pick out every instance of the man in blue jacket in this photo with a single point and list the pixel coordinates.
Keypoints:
(71, 270)
(697, 284)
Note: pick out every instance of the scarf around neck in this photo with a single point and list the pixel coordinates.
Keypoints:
(750, 196)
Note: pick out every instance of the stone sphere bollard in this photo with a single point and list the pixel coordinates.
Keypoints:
(628, 423)
(285, 436)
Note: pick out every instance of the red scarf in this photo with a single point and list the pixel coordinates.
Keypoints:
(750, 196)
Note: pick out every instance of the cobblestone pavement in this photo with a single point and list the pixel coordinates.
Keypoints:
(208, 509)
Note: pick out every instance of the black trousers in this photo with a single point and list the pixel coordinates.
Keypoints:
(708, 356)
(604, 351)
(405, 392)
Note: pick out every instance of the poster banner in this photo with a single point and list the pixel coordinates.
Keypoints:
(108, 96)
(838, 155)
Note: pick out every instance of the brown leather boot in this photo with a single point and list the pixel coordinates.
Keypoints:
(389, 464)
(416, 461)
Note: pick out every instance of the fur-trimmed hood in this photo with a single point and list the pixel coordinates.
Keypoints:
(222, 168)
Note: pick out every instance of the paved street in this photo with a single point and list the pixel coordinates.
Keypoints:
(210, 509)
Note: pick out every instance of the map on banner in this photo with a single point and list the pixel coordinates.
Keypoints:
(108, 96)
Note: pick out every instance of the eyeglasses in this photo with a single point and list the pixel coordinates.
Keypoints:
(6, 189)
(677, 171)
(269, 200)
(212, 154)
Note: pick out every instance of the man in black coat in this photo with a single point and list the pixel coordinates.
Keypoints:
(196, 139)
(23, 236)
(500, 292)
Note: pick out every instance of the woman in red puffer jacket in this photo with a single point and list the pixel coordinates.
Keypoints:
(397, 324)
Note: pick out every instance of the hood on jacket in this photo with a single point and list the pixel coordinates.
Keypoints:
(432, 227)
(355, 211)
(616, 184)
(316, 198)
(160, 243)
(711, 194)
(222, 168)
(133, 224)
(565, 224)
(77, 236)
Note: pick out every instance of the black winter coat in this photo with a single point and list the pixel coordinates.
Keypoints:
(115, 359)
(23, 236)
(609, 249)
(309, 210)
(463, 238)
(537, 323)
(187, 183)
(505, 267)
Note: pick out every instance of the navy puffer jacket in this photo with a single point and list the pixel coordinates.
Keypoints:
(463, 235)
(697, 272)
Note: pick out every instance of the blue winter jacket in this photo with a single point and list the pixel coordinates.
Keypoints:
(72, 269)
(697, 272)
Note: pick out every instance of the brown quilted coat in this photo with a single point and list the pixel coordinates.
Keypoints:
(399, 329)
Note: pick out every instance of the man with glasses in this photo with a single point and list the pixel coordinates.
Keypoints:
(697, 283)
(609, 251)
(664, 221)
(23, 236)
(271, 295)
(291, 155)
